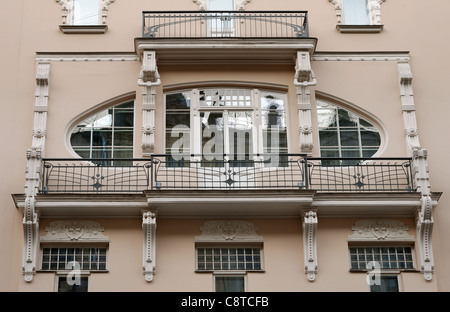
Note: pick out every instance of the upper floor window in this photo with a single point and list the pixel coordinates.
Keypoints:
(85, 12)
(105, 134)
(358, 15)
(343, 133)
(356, 12)
(84, 16)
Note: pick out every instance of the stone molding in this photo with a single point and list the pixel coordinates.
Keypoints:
(228, 231)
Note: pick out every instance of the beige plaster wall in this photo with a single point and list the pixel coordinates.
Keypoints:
(175, 259)
(28, 27)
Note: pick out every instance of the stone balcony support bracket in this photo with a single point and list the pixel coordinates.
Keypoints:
(310, 243)
(149, 247)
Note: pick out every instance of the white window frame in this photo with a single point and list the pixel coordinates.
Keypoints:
(67, 13)
(255, 108)
(395, 274)
(374, 24)
(362, 115)
(59, 274)
(242, 274)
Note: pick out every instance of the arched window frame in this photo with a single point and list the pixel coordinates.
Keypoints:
(361, 113)
(114, 102)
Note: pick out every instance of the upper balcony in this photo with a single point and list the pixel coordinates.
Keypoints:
(226, 185)
(227, 172)
(253, 36)
(225, 24)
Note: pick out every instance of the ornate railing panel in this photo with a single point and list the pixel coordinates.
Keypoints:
(225, 24)
(198, 172)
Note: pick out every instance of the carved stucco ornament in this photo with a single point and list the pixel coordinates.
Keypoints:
(228, 230)
(376, 230)
(74, 231)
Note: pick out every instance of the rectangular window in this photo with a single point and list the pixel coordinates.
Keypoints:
(386, 283)
(356, 12)
(229, 259)
(232, 283)
(62, 258)
(85, 12)
(369, 258)
(72, 284)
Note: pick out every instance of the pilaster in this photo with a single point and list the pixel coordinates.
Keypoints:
(148, 80)
(304, 78)
(420, 170)
(33, 170)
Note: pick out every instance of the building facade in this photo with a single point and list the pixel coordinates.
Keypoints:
(224, 145)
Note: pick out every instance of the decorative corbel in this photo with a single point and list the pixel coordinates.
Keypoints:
(104, 6)
(202, 4)
(304, 78)
(65, 10)
(375, 11)
(338, 8)
(148, 79)
(424, 228)
(30, 238)
(149, 229)
(310, 244)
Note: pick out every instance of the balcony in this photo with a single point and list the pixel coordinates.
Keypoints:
(227, 172)
(225, 24)
(226, 185)
(183, 37)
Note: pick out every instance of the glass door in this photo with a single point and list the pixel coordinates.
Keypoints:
(221, 24)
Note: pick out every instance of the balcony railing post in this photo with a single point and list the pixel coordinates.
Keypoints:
(306, 171)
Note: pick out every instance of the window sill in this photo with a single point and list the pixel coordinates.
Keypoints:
(359, 28)
(83, 29)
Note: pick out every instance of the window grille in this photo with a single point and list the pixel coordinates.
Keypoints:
(398, 257)
(247, 259)
(89, 259)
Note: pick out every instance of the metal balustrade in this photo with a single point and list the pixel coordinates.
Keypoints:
(227, 172)
(225, 24)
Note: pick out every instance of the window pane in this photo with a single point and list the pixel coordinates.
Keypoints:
(85, 12)
(328, 138)
(229, 283)
(99, 135)
(68, 284)
(387, 284)
(370, 138)
(123, 118)
(177, 101)
(356, 12)
(326, 118)
(349, 138)
(347, 119)
(80, 137)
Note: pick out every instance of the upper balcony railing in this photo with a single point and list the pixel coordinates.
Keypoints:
(249, 172)
(225, 24)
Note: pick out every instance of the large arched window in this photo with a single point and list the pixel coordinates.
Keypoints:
(231, 121)
(343, 133)
(105, 134)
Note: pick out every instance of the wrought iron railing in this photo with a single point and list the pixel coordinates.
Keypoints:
(203, 172)
(225, 24)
